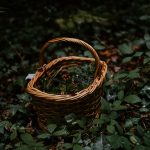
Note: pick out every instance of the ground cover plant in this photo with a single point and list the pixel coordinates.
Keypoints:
(121, 38)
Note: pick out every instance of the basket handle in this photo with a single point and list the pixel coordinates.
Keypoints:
(72, 40)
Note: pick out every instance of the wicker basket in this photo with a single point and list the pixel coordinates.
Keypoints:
(85, 102)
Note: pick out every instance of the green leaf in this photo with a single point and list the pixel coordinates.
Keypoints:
(148, 54)
(88, 54)
(130, 122)
(138, 54)
(117, 141)
(133, 139)
(13, 135)
(104, 118)
(27, 139)
(121, 95)
(15, 108)
(119, 128)
(114, 141)
(68, 145)
(61, 132)
(121, 75)
(105, 106)
(76, 138)
(126, 59)
(77, 147)
(81, 123)
(70, 118)
(132, 99)
(110, 129)
(51, 127)
(134, 74)
(125, 143)
(117, 105)
(4, 125)
(146, 60)
(113, 115)
(43, 136)
(24, 97)
(125, 48)
(99, 47)
(60, 53)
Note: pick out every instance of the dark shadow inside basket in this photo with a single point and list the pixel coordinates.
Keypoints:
(67, 77)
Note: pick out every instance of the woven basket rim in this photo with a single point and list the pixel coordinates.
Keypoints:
(98, 80)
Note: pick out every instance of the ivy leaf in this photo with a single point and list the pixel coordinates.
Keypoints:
(110, 129)
(105, 106)
(60, 53)
(27, 139)
(121, 75)
(51, 128)
(134, 74)
(120, 95)
(76, 138)
(138, 54)
(13, 135)
(119, 128)
(88, 54)
(117, 105)
(70, 118)
(126, 59)
(44, 136)
(130, 122)
(125, 143)
(114, 141)
(81, 123)
(117, 141)
(133, 139)
(132, 99)
(125, 48)
(61, 132)
(99, 47)
(146, 60)
(67, 145)
(77, 147)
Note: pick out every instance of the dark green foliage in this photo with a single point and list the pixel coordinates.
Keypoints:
(119, 31)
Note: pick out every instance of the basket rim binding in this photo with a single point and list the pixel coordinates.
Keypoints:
(98, 79)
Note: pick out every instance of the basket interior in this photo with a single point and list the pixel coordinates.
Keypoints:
(67, 77)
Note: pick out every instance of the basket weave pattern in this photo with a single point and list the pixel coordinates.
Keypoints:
(85, 102)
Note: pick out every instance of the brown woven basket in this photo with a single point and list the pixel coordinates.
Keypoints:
(84, 103)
